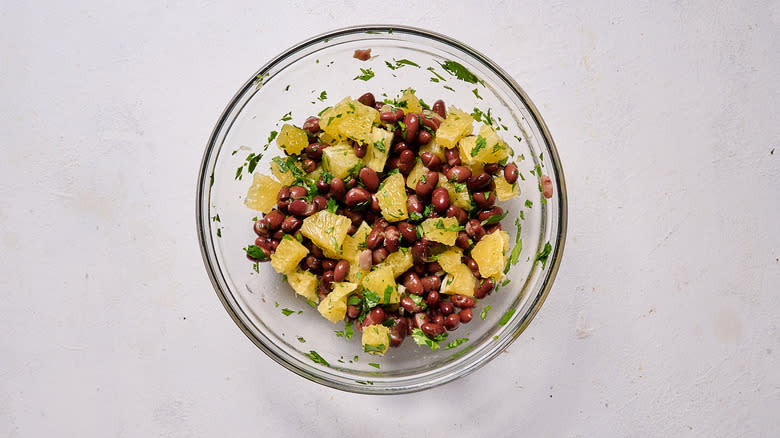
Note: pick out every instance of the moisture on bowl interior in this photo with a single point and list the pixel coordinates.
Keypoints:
(383, 215)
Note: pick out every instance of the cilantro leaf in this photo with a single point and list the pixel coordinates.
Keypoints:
(420, 338)
(287, 312)
(459, 71)
(367, 74)
(507, 316)
(456, 343)
(496, 218)
(544, 254)
(314, 356)
(480, 144)
(256, 252)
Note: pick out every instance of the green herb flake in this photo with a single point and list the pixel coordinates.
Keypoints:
(311, 303)
(456, 343)
(373, 364)
(367, 74)
(287, 312)
(256, 252)
(380, 145)
(458, 70)
(507, 316)
(476, 93)
(496, 218)
(484, 312)
(323, 95)
(287, 116)
(480, 144)
(438, 76)
(300, 338)
(529, 203)
(449, 88)
(314, 356)
(420, 338)
(219, 232)
(544, 254)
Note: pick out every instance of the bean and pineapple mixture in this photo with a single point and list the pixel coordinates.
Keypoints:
(384, 216)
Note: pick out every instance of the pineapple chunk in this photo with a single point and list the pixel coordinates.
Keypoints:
(351, 247)
(293, 140)
(487, 147)
(304, 283)
(459, 193)
(450, 259)
(392, 198)
(490, 254)
(326, 230)
(376, 339)
(414, 175)
(409, 103)
(334, 306)
(263, 192)
(288, 254)
(459, 281)
(349, 119)
(381, 282)
(399, 261)
(435, 148)
(442, 230)
(457, 125)
(286, 176)
(504, 190)
(340, 160)
(378, 149)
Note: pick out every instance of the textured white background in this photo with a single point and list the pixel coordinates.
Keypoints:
(662, 322)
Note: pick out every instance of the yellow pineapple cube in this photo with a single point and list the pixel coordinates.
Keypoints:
(381, 283)
(288, 254)
(459, 281)
(504, 190)
(487, 147)
(334, 306)
(415, 174)
(286, 176)
(409, 103)
(304, 283)
(392, 198)
(457, 125)
(340, 160)
(435, 148)
(375, 339)
(459, 193)
(263, 193)
(378, 149)
(442, 230)
(490, 254)
(349, 119)
(326, 230)
(450, 259)
(292, 140)
(352, 244)
(399, 261)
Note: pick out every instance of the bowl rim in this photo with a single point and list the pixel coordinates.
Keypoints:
(207, 247)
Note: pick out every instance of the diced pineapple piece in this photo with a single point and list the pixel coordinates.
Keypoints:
(378, 149)
(327, 138)
(504, 190)
(285, 177)
(340, 160)
(457, 125)
(263, 193)
(490, 254)
(399, 261)
(381, 282)
(304, 283)
(349, 119)
(435, 148)
(392, 198)
(442, 230)
(352, 244)
(292, 139)
(414, 175)
(449, 260)
(409, 103)
(356, 274)
(334, 306)
(326, 230)
(487, 147)
(460, 281)
(459, 193)
(288, 254)
(375, 339)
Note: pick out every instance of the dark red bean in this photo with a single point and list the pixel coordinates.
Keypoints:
(337, 188)
(421, 251)
(406, 161)
(479, 181)
(387, 116)
(327, 278)
(446, 308)
(329, 264)
(261, 227)
(452, 156)
(369, 178)
(440, 199)
(367, 99)
(424, 137)
(291, 224)
(352, 229)
(374, 239)
(419, 268)
(340, 271)
(451, 322)
(308, 165)
(399, 115)
(274, 243)
(413, 204)
(316, 252)
(432, 299)
(412, 283)
(320, 202)
(300, 207)
(379, 105)
(472, 264)
(463, 241)
(353, 311)
(436, 318)
(322, 186)
(475, 230)
(297, 192)
(439, 108)
(432, 329)
(398, 331)
(351, 183)
(483, 287)
(392, 163)
(312, 124)
(314, 150)
(485, 214)
(412, 125)
(419, 319)
(490, 229)
(398, 148)
(492, 168)
(365, 259)
(431, 161)
(379, 255)
(375, 316)
(360, 149)
(430, 121)
(484, 199)
(459, 174)
(511, 173)
(312, 263)
(409, 305)
(466, 315)
(426, 184)
(433, 268)
(375, 203)
(357, 196)
(458, 213)
(279, 234)
(547, 187)
(431, 283)
(355, 216)
(463, 301)
(380, 224)
(263, 242)
(408, 231)
(392, 239)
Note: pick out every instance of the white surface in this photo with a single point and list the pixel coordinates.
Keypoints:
(662, 321)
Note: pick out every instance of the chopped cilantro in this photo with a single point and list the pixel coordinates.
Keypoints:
(256, 252)
(375, 365)
(332, 205)
(496, 218)
(300, 338)
(459, 71)
(484, 312)
(449, 88)
(347, 332)
(507, 316)
(456, 343)
(313, 355)
(287, 312)
(440, 77)
(544, 254)
(319, 114)
(287, 116)
(323, 95)
(476, 93)
(380, 145)
(480, 144)
(272, 136)
(420, 338)
(367, 74)
(528, 203)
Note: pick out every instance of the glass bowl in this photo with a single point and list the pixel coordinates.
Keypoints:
(304, 80)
